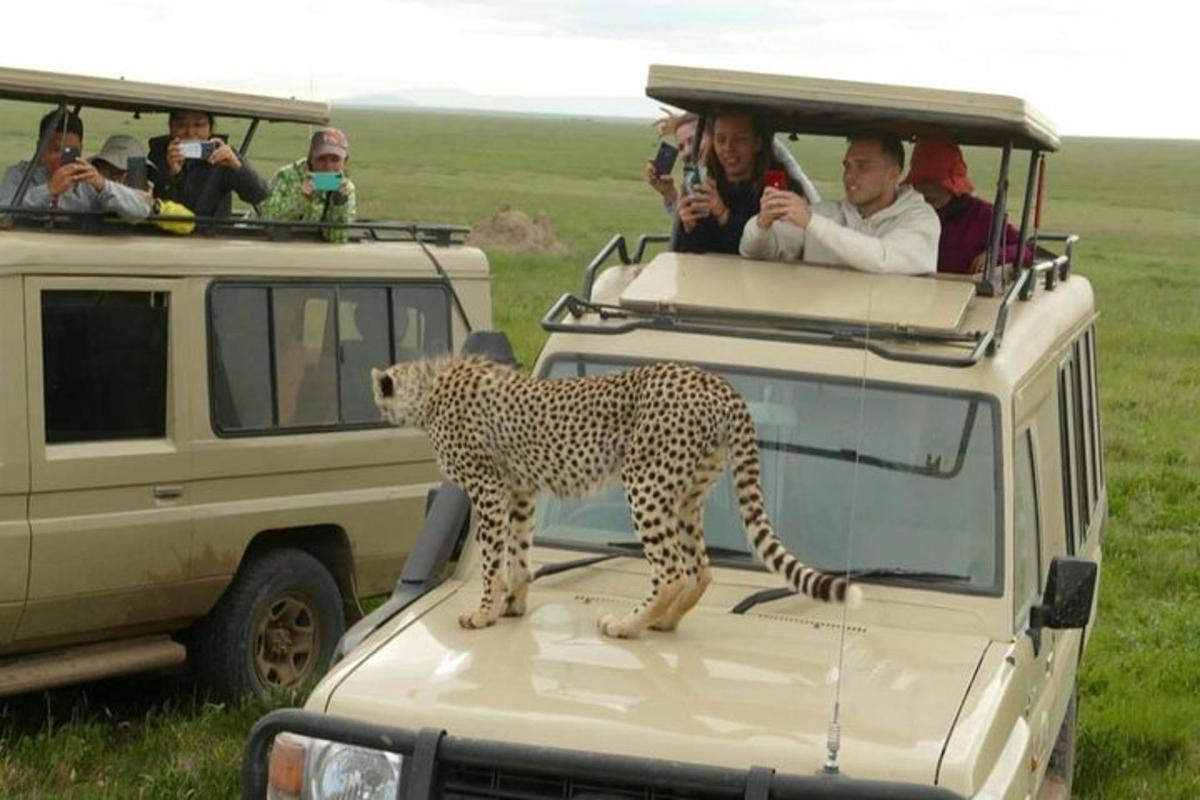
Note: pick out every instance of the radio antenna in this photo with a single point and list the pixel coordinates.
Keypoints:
(833, 740)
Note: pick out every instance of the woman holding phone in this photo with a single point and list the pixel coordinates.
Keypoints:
(315, 188)
(722, 193)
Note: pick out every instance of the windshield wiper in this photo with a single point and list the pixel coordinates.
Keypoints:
(923, 575)
(564, 566)
(575, 563)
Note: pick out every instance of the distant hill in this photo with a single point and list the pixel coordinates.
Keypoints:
(638, 107)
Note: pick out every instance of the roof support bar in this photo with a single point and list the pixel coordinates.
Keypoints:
(38, 154)
(1035, 157)
(249, 136)
(988, 285)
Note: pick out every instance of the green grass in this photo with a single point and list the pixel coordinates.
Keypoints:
(1134, 203)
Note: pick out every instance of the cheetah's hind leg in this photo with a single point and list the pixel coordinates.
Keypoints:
(517, 552)
(697, 575)
(653, 508)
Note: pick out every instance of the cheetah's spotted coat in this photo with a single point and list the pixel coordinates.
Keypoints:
(665, 430)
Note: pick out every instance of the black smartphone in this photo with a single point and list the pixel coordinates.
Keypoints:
(135, 173)
(69, 155)
(664, 159)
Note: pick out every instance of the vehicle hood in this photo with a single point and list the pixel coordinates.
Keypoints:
(725, 689)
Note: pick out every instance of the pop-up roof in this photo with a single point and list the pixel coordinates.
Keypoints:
(767, 291)
(830, 107)
(54, 88)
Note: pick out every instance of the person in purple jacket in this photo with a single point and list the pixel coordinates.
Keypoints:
(937, 170)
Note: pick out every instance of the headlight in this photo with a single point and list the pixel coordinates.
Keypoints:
(317, 769)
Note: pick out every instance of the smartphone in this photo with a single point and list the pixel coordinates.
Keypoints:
(664, 159)
(197, 148)
(327, 181)
(69, 155)
(135, 173)
(775, 178)
(693, 178)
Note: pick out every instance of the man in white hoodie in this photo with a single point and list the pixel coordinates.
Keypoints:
(880, 226)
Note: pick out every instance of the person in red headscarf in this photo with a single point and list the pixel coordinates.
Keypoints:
(937, 170)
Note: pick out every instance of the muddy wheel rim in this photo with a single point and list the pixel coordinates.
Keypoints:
(287, 642)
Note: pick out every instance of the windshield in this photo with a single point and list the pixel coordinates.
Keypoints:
(923, 475)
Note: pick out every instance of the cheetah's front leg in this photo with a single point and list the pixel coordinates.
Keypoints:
(490, 506)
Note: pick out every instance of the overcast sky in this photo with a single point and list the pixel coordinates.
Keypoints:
(1096, 68)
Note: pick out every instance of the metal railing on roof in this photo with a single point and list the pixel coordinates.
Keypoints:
(102, 223)
(885, 341)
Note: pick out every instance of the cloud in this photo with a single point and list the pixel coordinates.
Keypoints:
(1107, 68)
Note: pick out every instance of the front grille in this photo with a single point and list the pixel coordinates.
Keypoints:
(463, 783)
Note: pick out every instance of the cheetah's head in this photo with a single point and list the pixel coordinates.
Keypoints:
(398, 393)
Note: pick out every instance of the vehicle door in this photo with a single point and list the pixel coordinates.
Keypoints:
(1035, 653)
(109, 509)
(14, 461)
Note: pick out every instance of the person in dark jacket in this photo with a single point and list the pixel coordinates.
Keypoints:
(205, 185)
(737, 155)
(939, 172)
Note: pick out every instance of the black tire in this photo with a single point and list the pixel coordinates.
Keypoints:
(1061, 769)
(274, 628)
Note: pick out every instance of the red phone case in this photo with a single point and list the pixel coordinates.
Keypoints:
(776, 178)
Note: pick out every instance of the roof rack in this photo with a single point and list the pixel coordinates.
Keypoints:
(98, 222)
(62, 89)
(568, 313)
(800, 104)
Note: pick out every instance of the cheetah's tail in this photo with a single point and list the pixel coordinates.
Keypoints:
(743, 443)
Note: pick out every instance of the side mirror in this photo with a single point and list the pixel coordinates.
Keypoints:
(1067, 602)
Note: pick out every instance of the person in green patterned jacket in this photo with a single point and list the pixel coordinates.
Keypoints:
(315, 188)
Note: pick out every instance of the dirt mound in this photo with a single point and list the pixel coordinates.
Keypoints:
(515, 231)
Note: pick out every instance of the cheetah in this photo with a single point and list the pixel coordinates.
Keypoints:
(665, 430)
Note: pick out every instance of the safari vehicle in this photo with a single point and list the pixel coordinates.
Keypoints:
(935, 439)
(191, 465)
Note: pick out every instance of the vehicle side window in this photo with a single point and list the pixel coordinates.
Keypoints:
(305, 356)
(1027, 566)
(1092, 412)
(422, 322)
(1082, 456)
(299, 356)
(1070, 466)
(363, 336)
(241, 352)
(104, 363)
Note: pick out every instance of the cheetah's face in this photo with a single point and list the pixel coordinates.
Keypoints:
(395, 395)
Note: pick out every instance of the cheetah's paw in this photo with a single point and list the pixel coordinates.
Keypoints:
(476, 619)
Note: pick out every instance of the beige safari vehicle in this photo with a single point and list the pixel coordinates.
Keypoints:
(191, 465)
(936, 439)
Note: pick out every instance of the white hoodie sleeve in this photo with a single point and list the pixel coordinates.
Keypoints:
(910, 248)
(780, 242)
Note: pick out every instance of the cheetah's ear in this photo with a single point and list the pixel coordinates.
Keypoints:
(386, 386)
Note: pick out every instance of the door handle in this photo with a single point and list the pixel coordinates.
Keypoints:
(167, 491)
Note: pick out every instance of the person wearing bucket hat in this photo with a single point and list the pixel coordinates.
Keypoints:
(939, 172)
(114, 161)
(315, 188)
(74, 184)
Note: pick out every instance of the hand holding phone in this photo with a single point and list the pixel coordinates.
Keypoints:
(776, 179)
(327, 181)
(198, 149)
(135, 172)
(664, 159)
